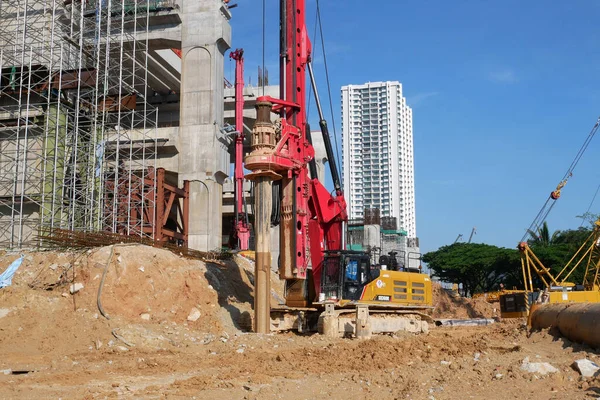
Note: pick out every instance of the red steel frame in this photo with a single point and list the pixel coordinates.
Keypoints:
(154, 201)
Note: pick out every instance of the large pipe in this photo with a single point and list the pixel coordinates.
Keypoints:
(578, 322)
(263, 143)
(262, 280)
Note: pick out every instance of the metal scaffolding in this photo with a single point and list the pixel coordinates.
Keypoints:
(77, 134)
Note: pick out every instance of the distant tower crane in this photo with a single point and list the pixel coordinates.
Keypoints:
(460, 235)
(473, 231)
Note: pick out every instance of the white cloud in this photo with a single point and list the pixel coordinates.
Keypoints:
(445, 182)
(333, 49)
(506, 75)
(419, 98)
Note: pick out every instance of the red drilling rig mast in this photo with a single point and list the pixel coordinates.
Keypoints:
(241, 228)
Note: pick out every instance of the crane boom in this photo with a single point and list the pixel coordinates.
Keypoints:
(473, 231)
(555, 194)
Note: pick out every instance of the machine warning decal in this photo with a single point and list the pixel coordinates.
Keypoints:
(380, 283)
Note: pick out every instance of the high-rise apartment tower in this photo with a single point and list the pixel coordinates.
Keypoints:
(378, 164)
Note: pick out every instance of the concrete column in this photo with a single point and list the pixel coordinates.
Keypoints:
(203, 157)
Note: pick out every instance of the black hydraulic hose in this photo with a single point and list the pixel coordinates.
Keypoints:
(276, 207)
(99, 297)
(335, 176)
(312, 164)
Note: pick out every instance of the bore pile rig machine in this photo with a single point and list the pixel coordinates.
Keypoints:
(313, 260)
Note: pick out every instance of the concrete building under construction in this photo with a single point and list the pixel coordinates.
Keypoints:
(115, 117)
(111, 118)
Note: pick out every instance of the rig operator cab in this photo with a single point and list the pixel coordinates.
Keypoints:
(348, 278)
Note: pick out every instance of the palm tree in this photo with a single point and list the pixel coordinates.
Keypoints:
(542, 237)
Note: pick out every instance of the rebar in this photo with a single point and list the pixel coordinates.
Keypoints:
(69, 239)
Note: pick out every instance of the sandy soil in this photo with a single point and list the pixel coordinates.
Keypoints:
(155, 345)
(448, 306)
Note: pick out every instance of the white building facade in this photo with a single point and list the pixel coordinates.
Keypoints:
(378, 162)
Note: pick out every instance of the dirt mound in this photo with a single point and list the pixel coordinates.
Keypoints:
(448, 306)
(153, 298)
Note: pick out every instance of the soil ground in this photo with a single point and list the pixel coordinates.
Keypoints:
(174, 331)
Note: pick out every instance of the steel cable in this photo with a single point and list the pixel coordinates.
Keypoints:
(337, 160)
(550, 202)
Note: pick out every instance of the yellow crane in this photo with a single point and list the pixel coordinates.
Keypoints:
(557, 288)
(560, 289)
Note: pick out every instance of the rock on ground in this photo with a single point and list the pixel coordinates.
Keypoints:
(194, 315)
(586, 368)
(76, 287)
(541, 368)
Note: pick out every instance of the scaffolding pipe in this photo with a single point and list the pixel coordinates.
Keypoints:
(60, 150)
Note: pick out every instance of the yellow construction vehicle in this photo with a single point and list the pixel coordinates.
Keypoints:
(560, 289)
(354, 290)
(557, 289)
(494, 297)
(360, 282)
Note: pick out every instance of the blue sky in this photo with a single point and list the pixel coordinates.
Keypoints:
(503, 95)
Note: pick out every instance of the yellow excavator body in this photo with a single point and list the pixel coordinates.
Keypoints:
(399, 288)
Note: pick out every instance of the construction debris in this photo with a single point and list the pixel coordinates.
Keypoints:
(541, 368)
(70, 239)
(586, 368)
(76, 287)
(7, 275)
(464, 322)
(450, 307)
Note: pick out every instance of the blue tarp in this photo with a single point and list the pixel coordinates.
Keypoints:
(352, 270)
(6, 276)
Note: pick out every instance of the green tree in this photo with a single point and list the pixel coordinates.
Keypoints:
(478, 267)
(542, 237)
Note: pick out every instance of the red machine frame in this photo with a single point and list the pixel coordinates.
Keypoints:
(241, 226)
